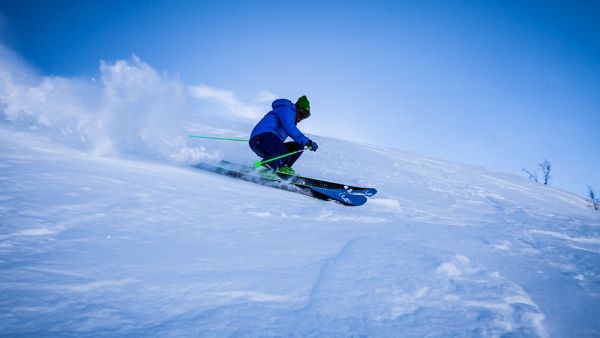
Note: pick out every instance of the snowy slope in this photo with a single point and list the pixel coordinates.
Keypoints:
(107, 230)
(122, 246)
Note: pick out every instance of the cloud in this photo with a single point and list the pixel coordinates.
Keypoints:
(265, 96)
(228, 100)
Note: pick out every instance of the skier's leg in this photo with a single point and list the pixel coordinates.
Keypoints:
(255, 145)
(292, 146)
(268, 146)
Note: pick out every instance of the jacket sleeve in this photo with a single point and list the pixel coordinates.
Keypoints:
(287, 116)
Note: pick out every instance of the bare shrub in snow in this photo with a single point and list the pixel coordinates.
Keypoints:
(592, 197)
(546, 167)
(532, 175)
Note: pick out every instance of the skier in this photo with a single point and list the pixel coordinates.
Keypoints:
(268, 136)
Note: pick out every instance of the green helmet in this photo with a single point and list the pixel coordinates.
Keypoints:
(303, 106)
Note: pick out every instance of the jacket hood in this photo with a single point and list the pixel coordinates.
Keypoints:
(282, 102)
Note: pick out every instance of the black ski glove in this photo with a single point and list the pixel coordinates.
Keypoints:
(312, 146)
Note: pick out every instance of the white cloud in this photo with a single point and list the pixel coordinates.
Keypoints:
(228, 100)
(265, 96)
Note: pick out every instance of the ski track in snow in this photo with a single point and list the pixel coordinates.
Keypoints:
(107, 246)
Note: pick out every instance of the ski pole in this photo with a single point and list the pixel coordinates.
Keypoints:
(219, 138)
(259, 163)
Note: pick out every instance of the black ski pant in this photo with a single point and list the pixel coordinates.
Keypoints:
(268, 146)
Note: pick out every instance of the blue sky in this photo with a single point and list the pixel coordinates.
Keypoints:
(499, 84)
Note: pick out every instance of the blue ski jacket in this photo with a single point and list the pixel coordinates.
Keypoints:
(281, 121)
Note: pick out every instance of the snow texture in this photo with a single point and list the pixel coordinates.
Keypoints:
(106, 230)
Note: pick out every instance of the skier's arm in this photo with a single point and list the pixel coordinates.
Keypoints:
(287, 117)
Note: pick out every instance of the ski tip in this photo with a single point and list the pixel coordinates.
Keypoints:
(371, 192)
(340, 195)
(362, 191)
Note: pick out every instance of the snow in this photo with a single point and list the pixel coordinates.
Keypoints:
(109, 231)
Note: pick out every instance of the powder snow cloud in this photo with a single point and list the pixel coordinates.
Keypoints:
(132, 108)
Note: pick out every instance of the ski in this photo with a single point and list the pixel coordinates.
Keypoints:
(248, 173)
(339, 195)
(296, 179)
(313, 182)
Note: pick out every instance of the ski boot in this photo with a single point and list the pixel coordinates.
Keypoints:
(266, 172)
(286, 170)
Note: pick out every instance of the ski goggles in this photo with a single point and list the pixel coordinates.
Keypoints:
(303, 113)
